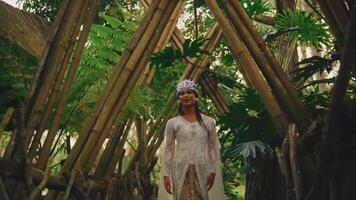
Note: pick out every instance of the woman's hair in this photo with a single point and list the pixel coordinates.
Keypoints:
(197, 112)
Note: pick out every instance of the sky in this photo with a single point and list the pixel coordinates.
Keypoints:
(11, 2)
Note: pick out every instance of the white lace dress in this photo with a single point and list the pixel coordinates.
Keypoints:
(189, 143)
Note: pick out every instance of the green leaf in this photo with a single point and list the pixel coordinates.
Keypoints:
(302, 27)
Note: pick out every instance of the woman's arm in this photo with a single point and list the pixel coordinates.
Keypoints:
(212, 146)
(169, 148)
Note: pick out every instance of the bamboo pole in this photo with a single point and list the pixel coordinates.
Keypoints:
(94, 137)
(133, 77)
(106, 167)
(41, 71)
(211, 87)
(282, 88)
(55, 89)
(113, 151)
(91, 119)
(43, 68)
(50, 62)
(88, 18)
(250, 68)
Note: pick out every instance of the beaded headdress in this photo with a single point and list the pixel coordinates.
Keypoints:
(186, 85)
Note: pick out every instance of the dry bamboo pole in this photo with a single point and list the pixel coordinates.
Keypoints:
(147, 43)
(37, 191)
(116, 72)
(250, 68)
(145, 78)
(141, 140)
(171, 26)
(281, 86)
(42, 70)
(211, 87)
(215, 37)
(148, 34)
(132, 81)
(56, 88)
(90, 120)
(113, 150)
(266, 51)
(88, 15)
(106, 161)
(51, 62)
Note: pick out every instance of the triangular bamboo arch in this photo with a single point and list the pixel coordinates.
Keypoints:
(256, 60)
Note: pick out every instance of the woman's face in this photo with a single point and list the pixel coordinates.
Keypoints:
(187, 98)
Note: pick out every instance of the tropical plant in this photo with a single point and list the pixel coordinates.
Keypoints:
(302, 27)
(312, 65)
(191, 48)
(49, 8)
(257, 7)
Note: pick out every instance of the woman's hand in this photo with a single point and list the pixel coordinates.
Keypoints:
(211, 179)
(167, 184)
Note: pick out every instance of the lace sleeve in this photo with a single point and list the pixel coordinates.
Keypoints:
(212, 146)
(169, 148)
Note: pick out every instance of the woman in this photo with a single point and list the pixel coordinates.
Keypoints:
(190, 150)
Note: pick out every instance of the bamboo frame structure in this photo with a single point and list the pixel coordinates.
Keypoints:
(253, 75)
(115, 148)
(271, 69)
(88, 19)
(65, 54)
(122, 80)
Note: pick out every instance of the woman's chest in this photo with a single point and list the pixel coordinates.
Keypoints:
(193, 132)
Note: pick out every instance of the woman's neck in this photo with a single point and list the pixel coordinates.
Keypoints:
(189, 110)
